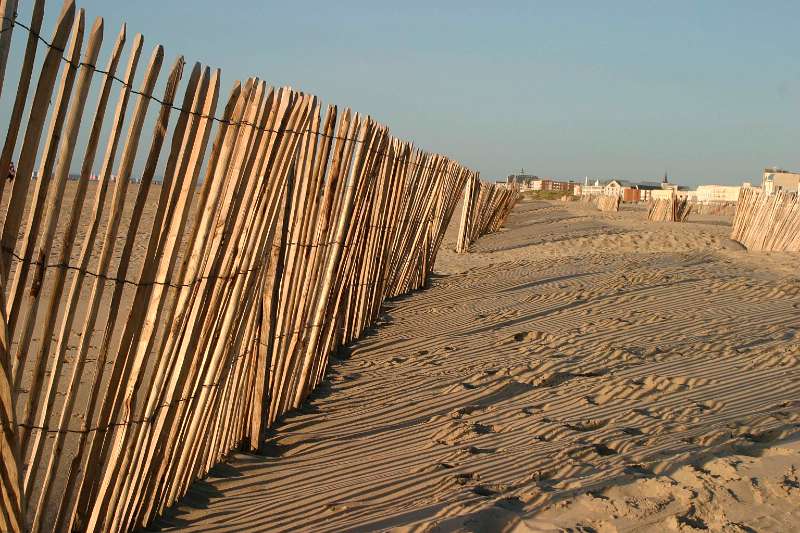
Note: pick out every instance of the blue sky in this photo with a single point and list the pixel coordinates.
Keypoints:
(709, 91)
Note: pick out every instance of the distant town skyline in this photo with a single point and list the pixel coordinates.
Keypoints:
(635, 179)
(708, 90)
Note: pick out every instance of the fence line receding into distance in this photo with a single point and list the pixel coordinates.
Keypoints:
(484, 210)
(767, 222)
(151, 327)
(608, 203)
(672, 209)
(605, 203)
(727, 209)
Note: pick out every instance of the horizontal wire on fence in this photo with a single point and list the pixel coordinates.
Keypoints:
(149, 419)
(315, 245)
(305, 327)
(125, 281)
(344, 244)
(406, 158)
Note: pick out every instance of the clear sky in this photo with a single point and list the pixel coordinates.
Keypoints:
(707, 90)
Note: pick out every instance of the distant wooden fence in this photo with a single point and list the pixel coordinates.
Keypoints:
(485, 208)
(172, 320)
(767, 223)
(727, 209)
(668, 210)
(601, 202)
(608, 203)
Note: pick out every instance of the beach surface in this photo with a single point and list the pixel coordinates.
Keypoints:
(578, 371)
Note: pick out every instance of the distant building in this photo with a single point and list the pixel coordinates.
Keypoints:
(717, 193)
(592, 189)
(631, 194)
(666, 190)
(646, 189)
(667, 186)
(629, 191)
(524, 180)
(776, 179)
(553, 185)
(614, 187)
(531, 182)
(665, 194)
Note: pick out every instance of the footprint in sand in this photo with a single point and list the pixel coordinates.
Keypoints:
(474, 450)
(467, 410)
(459, 432)
(586, 425)
(532, 336)
(532, 409)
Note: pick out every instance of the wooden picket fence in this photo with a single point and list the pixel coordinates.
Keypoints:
(608, 203)
(484, 210)
(727, 209)
(767, 222)
(148, 332)
(601, 202)
(669, 210)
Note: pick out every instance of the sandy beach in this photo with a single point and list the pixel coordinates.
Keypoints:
(578, 371)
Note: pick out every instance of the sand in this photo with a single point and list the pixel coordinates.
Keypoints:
(579, 370)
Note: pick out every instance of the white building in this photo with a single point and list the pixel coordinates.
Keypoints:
(717, 193)
(612, 188)
(602, 188)
(591, 189)
(776, 179)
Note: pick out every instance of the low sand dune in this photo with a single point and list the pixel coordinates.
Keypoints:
(579, 370)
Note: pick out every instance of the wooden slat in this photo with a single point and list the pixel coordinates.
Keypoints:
(42, 254)
(139, 329)
(108, 246)
(8, 10)
(12, 504)
(41, 190)
(15, 119)
(33, 134)
(205, 106)
(72, 300)
(66, 151)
